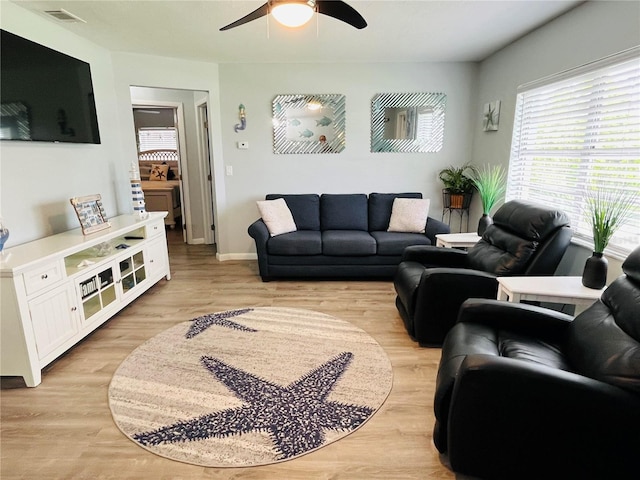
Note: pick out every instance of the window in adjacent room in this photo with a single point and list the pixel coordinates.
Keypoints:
(157, 138)
(156, 134)
(576, 132)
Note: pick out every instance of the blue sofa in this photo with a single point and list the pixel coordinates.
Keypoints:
(338, 235)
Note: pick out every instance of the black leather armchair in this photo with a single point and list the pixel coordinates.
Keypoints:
(431, 282)
(524, 392)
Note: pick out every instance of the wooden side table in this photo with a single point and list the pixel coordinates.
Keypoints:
(457, 240)
(548, 289)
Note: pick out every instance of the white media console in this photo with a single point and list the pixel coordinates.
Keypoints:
(56, 290)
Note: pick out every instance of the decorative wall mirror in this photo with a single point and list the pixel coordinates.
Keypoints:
(308, 123)
(407, 122)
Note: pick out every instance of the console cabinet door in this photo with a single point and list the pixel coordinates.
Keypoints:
(132, 271)
(54, 317)
(97, 291)
(158, 259)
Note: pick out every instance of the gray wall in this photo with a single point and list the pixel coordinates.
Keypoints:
(37, 180)
(590, 32)
(258, 171)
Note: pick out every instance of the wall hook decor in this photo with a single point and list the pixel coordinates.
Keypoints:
(243, 120)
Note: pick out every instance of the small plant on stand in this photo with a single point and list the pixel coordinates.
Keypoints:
(490, 181)
(458, 183)
(606, 212)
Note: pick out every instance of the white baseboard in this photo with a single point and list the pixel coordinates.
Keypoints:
(236, 256)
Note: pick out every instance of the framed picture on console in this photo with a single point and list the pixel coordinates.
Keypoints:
(90, 213)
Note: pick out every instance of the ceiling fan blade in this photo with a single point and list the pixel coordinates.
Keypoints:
(257, 13)
(341, 11)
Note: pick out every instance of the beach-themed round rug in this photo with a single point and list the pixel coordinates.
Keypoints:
(249, 387)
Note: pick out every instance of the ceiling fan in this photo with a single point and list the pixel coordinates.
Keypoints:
(295, 13)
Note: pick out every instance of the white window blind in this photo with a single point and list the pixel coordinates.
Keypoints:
(157, 138)
(578, 132)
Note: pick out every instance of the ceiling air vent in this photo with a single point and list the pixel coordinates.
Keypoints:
(64, 16)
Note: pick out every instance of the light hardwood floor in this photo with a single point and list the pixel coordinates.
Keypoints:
(63, 428)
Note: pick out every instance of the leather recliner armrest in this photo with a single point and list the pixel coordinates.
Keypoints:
(516, 317)
(507, 414)
(440, 294)
(431, 256)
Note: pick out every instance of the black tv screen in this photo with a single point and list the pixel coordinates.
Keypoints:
(45, 95)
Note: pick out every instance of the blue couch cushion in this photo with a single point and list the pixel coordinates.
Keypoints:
(305, 209)
(302, 242)
(344, 243)
(380, 206)
(343, 212)
(394, 243)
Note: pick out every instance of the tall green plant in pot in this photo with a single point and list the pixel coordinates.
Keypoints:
(606, 212)
(490, 181)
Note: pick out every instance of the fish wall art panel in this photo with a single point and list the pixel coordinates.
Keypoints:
(307, 123)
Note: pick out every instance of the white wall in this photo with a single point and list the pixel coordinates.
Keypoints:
(258, 171)
(37, 179)
(587, 33)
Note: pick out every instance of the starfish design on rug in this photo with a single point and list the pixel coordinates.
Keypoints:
(295, 416)
(200, 324)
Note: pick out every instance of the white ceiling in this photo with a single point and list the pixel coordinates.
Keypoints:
(397, 31)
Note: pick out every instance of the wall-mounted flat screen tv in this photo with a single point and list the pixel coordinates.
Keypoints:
(45, 95)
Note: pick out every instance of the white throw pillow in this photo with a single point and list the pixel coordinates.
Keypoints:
(409, 215)
(277, 216)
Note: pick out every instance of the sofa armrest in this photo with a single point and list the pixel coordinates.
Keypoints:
(517, 317)
(432, 256)
(515, 419)
(260, 233)
(435, 227)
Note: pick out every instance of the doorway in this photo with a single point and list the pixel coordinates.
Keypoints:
(159, 154)
(195, 173)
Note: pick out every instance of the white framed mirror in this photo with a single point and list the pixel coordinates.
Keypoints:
(309, 123)
(407, 122)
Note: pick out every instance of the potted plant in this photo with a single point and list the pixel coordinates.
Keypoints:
(458, 185)
(491, 185)
(606, 212)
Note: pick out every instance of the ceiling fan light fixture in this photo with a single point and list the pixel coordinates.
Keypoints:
(293, 14)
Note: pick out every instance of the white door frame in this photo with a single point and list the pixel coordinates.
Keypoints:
(185, 205)
(206, 171)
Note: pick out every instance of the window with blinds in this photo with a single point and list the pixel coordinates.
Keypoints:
(157, 138)
(576, 133)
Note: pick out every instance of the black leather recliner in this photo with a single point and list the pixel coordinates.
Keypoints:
(432, 282)
(524, 392)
